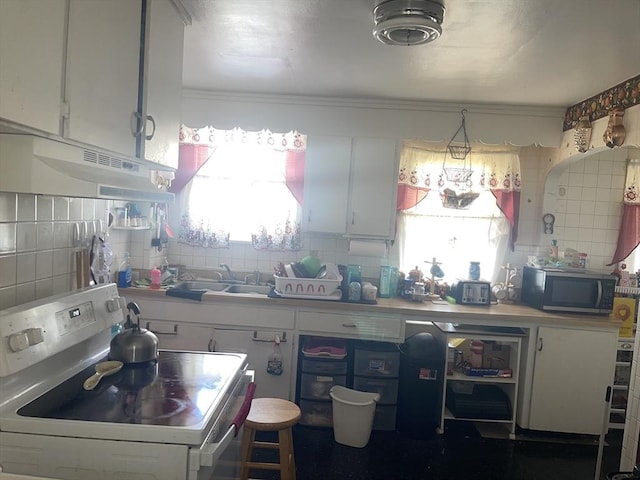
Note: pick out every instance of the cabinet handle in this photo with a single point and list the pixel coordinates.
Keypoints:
(283, 338)
(211, 346)
(136, 124)
(175, 330)
(540, 344)
(309, 217)
(349, 325)
(153, 132)
(353, 218)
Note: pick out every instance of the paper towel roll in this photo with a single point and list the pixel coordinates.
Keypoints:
(368, 248)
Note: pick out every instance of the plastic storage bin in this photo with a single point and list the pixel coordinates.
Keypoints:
(353, 414)
(324, 367)
(316, 414)
(374, 363)
(387, 388)
(317, 387)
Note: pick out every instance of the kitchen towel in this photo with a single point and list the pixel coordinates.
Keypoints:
(368, 248)
(184, 293)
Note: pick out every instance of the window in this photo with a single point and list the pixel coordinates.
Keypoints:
(457, 210)
(453, 237)
(247, 189)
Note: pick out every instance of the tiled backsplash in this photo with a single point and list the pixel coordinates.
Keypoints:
(586, 200)
(36, 244)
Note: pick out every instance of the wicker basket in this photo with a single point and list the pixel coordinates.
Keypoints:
(457, 201)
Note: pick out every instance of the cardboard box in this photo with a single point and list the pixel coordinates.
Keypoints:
(495, 355)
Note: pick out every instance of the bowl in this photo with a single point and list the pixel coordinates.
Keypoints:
(312, 265)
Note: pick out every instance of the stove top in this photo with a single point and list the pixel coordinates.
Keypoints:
(179, 389)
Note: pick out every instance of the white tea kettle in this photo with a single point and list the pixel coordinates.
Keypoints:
(134, 344)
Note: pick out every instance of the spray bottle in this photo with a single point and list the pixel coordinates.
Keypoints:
(274, 364)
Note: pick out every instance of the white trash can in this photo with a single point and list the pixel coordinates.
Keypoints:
(353, 413)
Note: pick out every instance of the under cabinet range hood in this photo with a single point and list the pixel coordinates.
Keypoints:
(39, 165)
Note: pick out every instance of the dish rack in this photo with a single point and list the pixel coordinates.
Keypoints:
(316, 287)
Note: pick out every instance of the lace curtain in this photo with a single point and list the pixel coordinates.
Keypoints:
(262, 168)
(425, 167)
(629, 236)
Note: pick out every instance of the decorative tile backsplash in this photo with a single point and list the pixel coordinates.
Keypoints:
(36, 251)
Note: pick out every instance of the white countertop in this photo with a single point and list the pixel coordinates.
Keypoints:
(499, 314)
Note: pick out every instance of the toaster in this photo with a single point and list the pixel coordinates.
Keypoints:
(471, 292)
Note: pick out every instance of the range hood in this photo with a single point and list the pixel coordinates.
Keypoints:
(39, 165)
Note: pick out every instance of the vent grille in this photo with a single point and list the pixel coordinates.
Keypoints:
(109, 161)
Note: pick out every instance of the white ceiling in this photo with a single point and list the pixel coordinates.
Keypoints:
(518, 52)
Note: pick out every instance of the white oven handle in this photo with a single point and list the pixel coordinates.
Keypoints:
(211, 452)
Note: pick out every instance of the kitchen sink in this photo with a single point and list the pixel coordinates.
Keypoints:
(259, 289)
(223, 287)
(211, 285)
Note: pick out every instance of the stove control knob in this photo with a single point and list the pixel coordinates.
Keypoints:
(35, 336)
(115, 304)
(18, 341)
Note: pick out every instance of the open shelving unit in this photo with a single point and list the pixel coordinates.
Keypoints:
(482, 399)
(624, 357)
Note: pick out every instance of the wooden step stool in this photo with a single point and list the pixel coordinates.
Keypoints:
(270, 415)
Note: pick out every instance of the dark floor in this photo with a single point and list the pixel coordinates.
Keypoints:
(460, 454)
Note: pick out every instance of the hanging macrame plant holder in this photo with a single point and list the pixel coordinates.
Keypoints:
(457, 174)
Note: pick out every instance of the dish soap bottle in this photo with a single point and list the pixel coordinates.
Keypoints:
(156, 278)
(125, 273)
(274, 364)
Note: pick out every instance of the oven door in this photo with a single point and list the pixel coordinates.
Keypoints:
(219, 456)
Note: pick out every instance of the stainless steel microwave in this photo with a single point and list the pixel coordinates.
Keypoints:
(568, 290)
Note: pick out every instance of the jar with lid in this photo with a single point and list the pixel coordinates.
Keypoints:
(355, 291)
(474, 271)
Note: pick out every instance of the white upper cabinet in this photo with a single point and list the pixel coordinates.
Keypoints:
(350, 186)
(326, 184)
(162, 84)
(32, 37)
(374, 188)
(102, 71)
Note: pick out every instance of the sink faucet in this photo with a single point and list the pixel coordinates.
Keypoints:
(255, 275)
(228, 269)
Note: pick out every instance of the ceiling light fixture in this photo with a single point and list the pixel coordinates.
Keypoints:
(408, 22)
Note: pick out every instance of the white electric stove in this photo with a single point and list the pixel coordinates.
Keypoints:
(176, 417)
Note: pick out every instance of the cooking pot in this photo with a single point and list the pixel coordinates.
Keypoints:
(134, 344)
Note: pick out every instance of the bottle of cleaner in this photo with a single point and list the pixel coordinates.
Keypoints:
(125, 273)
(274, 364)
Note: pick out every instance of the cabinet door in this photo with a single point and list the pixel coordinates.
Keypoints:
(162, 84)
(572, 370)
(373, 188)
(259, 345)
(181, 336)
(326, 184)
(31, 58)
(102, 71)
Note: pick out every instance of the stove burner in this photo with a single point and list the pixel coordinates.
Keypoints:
(152, 408)
(179, 389)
